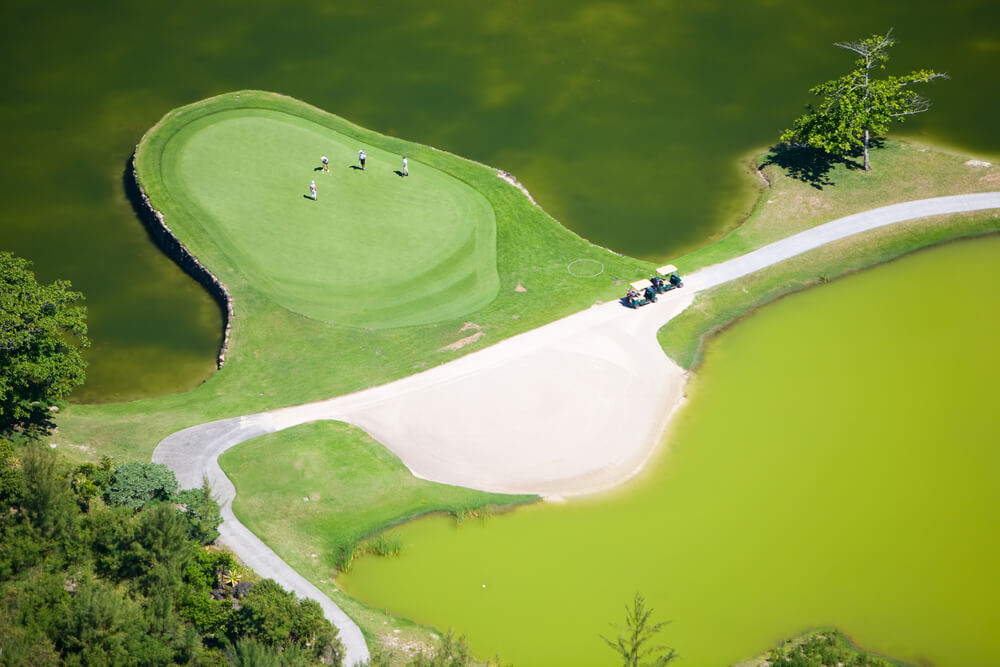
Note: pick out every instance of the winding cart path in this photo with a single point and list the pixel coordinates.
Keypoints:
(541, 412)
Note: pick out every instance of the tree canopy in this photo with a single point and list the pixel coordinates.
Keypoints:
(42, 331)
(856, 107)
(136, 484)
(85, 583)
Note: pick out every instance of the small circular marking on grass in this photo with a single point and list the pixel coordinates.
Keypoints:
(585, 268)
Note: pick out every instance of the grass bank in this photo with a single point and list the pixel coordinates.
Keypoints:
(805, 191)
(826, 647)
(906, 171)
(327, 492)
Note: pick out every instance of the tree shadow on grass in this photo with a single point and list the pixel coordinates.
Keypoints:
(813, 165)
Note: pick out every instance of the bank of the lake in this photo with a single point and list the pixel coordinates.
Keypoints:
(833, 466)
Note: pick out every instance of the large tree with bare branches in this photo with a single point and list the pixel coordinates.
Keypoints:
(857, 107)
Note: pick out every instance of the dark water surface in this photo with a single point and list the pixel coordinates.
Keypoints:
(625, 120)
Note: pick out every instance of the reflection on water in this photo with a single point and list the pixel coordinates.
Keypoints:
(836, 465)
(623, 119)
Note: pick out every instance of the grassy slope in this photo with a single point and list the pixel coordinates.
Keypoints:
(355, 488)
(279, 358)
(903, 171)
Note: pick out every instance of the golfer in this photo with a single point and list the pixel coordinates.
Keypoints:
(312, 190)
(406, 171)
(361, 158)
(326, 163)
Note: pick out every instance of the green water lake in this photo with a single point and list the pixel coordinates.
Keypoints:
(836, 464)
(626, 120)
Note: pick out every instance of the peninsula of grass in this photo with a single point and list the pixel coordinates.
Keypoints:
(381, 277)
(328, 488)
(330, 493)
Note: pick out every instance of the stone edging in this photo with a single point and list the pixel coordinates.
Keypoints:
(166, 241)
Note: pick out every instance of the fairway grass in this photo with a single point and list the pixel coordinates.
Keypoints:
(376, 249)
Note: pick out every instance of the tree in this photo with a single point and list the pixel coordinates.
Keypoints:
(42, 331)
(134, 485)
(202, 512)
(275, 617)
(637, 632)
(856, 106)
(10, 476)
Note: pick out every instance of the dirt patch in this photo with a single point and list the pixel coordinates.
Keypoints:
(992, 178)
(407, 646)
(462, 342)
(520, 288)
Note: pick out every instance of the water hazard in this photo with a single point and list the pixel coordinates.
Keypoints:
(836, 465)
(625, 120)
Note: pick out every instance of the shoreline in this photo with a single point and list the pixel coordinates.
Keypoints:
(165, 239)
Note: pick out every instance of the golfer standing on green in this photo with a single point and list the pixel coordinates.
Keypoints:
(312, 190)
(406, 171)
(361, 158)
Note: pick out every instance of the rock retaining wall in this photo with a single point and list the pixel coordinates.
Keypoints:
(164, 238)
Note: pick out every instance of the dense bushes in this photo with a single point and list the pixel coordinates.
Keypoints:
(103, 564)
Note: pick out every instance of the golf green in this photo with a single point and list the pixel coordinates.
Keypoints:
(374, 249)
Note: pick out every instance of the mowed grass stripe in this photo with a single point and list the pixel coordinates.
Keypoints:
(375, 250)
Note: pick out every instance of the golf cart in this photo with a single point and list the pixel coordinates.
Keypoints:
(667, 279)
(639, 293)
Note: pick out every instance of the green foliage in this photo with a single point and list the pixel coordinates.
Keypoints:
(276, 617)
(823, 649)
(202, 512)
(633, 644)
(452, 652)
(42, 330)
(134, 485)
(88, 584)
(856, 107)
(10, 478)
(378, 545)
(249, 652)
(90, 481)
(48, 504)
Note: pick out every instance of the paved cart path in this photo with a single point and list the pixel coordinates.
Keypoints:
(573, 407)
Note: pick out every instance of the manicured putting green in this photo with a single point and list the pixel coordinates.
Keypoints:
(375, 249)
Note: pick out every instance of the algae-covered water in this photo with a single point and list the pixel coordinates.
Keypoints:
(626, 120)
(836, 465)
